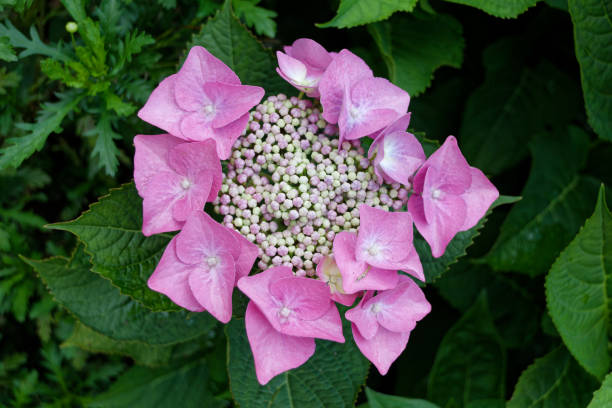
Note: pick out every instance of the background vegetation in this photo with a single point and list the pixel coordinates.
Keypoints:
(522, 320)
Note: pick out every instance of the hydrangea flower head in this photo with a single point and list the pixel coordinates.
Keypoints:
(450, 196)
(204, 100)
(303, 64)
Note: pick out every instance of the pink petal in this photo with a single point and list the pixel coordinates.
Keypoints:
(248, 254)
(212, 285)
(307, 298)
(256, 287)
(151, 157)
(171, 277)
(200, 67)
(274, 352)
(328, 272)
(292, 68)
(196, 126)
(345, 70)
(357, 123)
(453, 171)
(382, 349)
(363, 318)
(202, 237)
(161, 109)
(163, 191)
(327, 327)
(231, 101)
(226, 136)
(399, 156)
(310, 53)
(399, 309)
(190, 159)
(478, 198)
(195, 196)
(357, 275)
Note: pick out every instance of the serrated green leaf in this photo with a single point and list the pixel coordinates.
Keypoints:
(112, 233)
(33, 46)
(182, 386)
(99, 305)
(414, 46)
(118, 105)
(49, 119)
(593, 34)
(579, 295)
(352, 13)
(144, 354)
(435, 267)
(499, 8)
(557, 201)
(132, 44)
(471, 362)
(380, 400)
(261, 19)
(553, 381)
(515, 102)
(233, 44)
(603, 396)
(330, 379)
(105, 148)
(90, 32)
(7, 53)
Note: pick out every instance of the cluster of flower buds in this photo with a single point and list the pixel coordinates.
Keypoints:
(327, 221)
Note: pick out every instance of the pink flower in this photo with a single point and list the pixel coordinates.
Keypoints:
(303, 64)
(360, 103)
(328, 272)
(369, 260)
(450, 196)
(398, 153)
(284, 316)
(382, 324)
(174, 178)
(204, 100)
(199, 267)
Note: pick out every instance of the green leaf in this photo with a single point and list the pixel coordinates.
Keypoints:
(331, 378)
(593, 34)
(105, 148)
(414, 46)
(112, 233)
(259, 18)
(98, 304)
(49, 119)
(6, 50)
(90, 32)
(471, 362)
(379, 400)
(579, 295)
(118, 105)
(553, 381)
(352, 13)
(180, 386)
(499, 8)
(227, 39)
(603, 396)
(133, 43)
(142, 353)
(515, 102)
(435, 267)
(557, 201)
(33, 46)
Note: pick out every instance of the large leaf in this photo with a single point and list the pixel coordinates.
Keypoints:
(435, 267)
(603, 396)
(379, 400)
(111, 232)
(514, 102)
(499, 8)
(593, 35)
(181, 386)
(553, 381)
(330, 379)
(98, 304)
(414, 46)
(579, 294)
(557, 200)
(352, 13)
(514, 312)
(227, 39)
(471, 362)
